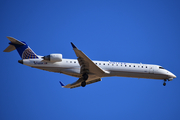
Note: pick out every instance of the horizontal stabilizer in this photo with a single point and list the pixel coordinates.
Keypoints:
(9, 48)
(13, 42)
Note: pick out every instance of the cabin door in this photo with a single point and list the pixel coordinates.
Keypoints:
(151, 70)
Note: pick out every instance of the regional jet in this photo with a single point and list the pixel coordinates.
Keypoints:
(86, 70)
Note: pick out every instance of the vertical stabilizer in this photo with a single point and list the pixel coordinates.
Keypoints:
(23, 49)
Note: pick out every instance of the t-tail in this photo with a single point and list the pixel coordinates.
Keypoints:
(23, 49)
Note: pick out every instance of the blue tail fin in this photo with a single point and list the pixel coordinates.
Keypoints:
(23, 49)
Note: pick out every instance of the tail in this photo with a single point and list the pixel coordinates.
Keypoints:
(23, 49)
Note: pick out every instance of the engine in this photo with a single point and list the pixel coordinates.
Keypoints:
(53, 57)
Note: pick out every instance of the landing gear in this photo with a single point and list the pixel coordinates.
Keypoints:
(164, 84)
(83, 84)
(85, 77)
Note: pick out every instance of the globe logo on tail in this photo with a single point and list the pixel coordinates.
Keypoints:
(29, 54)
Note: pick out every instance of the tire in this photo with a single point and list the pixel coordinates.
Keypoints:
(83, 84)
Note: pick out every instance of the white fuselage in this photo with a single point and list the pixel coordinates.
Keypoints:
(71, 67)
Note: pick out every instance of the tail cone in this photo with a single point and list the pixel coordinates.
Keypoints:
(20, 61)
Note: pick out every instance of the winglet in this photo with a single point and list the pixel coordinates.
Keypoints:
(73, 45)
(61, 84)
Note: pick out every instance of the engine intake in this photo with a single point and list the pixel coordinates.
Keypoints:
(53, 57)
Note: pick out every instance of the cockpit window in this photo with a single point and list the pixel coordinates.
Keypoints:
(161, 68)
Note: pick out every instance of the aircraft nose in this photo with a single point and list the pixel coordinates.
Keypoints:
(172, 75)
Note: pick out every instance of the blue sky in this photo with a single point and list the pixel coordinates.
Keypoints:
(118, 30)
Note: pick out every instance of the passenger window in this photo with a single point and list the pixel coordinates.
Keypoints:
(142, 66)
(146, 66)
(125, 65)
(134, 65)
(129, 65)
(99, 63)
(104, 64)
(70, 61)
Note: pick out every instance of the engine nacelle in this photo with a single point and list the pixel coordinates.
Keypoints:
(53, 57)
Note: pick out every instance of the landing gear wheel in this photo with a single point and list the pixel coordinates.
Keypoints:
(85, 76)
(83, 84)
(164, 84)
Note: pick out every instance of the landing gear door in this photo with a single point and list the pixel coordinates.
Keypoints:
(151, 70)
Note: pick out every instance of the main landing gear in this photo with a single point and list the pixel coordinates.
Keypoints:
(164, 84)
(85, 77)
(83, 84)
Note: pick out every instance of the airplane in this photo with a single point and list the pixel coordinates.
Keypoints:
(84, 68)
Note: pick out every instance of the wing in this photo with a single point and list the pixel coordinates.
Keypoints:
(87, 66)
(78, 83)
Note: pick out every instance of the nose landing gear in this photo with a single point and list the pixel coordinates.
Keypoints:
(164, 84)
